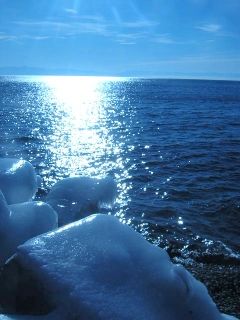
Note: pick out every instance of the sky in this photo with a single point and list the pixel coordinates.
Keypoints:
(146, 38)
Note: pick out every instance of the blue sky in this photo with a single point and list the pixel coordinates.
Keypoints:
(162, 38)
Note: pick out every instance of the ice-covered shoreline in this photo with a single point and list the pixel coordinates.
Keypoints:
(98, 266)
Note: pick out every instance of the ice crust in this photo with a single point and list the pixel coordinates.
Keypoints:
(18, 180)
(98, 268)
(22, 221)
(92, 269)
(76, 197)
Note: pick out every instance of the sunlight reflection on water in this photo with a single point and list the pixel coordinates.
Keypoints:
(81, 142)
(176, 176)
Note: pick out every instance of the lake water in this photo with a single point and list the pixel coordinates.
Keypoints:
(173, 147)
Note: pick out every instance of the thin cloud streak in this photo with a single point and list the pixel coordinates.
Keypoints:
(7, 37)
(122, 42)
(53, 28)
(95, 18)
(87, 24)
(130, 38)
(43, 24)
(71, 11)
(167, 39)
(212, 28)
(139, 24)
(164, 39)
(22, 37)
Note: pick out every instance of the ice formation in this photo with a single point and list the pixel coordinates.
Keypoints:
(22, 221)
(97, 268)
(77, 197)
(18, 180)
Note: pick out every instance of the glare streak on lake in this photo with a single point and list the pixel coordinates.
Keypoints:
(172, 146)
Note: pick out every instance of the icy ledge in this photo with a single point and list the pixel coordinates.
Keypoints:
(18, 180)
(95, 268)
(99, 268)
(22, 221)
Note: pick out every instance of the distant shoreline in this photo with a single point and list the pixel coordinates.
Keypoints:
(113, 77)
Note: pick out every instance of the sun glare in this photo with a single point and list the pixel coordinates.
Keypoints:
(78, 110)
(85, 130)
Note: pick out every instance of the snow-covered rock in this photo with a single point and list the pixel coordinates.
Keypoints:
(98, 268)
(18, 180)
(22, 221)
(95, 268)
(227, 317)
(77, 197)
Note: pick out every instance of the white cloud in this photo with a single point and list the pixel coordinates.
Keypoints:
(35, 37)
(131, 36)
(7, 37)
(123, 42)
(45, 24)
(164, 38)
(71, 11)
(211, 27)
(91, 24)
(128, 38)
(58, 28)
(139, 24)
(92, 18)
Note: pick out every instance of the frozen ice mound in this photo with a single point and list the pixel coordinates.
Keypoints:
(227, 317)
(99, 268)
(77, 197)
(22, 221)
(92, 269)
(18, 180)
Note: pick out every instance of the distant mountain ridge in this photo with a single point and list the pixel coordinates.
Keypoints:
(25, 70)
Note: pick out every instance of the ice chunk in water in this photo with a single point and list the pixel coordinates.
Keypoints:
(76, 197)
(22, 221)
(18, 180)
(98, 268)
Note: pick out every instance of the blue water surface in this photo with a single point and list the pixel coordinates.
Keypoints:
(173, 147)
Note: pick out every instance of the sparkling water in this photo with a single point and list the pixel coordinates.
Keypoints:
(173, 147)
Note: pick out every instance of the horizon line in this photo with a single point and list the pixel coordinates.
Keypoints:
(203, 78)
